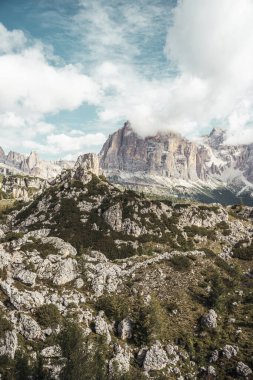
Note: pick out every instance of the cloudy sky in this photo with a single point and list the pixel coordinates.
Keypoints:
(72, 71)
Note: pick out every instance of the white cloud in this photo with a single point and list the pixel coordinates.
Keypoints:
(210, 44)
(33, 85)
(11, 41)
(29, 85)
(66, 143)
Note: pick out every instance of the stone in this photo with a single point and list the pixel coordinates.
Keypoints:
(229, 351)
(64, 249)
(211, 371)
(51, 352)
(120, 363)
(155, 358)
(65, 271)
(26, 276)
(101, 327)
(29, 328)
(209, 319)
(22, 299)
(9, 344)
(85, 166)
(125, 329)
(243, 370)
(79, 283)
(214, 357)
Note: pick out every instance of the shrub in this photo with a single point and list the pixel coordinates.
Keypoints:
(12, 236)
(201, 231)
(5, 325)
(48, 316)
(217, 290)
(115, 307)
(82, 362)
(180, 262)
(243, 253)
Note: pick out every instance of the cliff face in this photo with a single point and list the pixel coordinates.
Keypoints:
(175, 162)
(166, 155)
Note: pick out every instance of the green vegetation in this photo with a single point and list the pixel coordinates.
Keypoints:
(48, 316)
(5, 325)
(44, 249)
(82, 362)
(201, 231)
(180, 263)
(243, 252)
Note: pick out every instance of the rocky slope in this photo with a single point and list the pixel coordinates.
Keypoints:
(16, 163)
(97, 283)
(169, 164)
(21, 187)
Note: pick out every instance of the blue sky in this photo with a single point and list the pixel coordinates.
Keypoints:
(74, 70)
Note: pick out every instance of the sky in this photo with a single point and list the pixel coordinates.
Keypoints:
(73, 71)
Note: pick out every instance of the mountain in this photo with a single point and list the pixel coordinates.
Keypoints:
(170, 165)
(17, 163)
(99, 283)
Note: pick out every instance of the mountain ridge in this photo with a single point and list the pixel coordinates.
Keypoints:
(169, 163)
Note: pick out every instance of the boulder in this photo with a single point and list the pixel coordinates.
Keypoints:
(243, 370)
(29, 328)
(229, 351)
(120, 363)
(51, 352)
(26, 276)
(101, 326)
(209, 319)
(156, 358)
(9, 344)
(125, 329)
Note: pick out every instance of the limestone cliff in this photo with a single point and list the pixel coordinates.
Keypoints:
(172, 164)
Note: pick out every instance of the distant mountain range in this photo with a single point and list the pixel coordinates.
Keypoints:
(17, 163)
(164, 165)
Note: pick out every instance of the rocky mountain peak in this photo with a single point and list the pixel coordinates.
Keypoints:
(86, 165)
(2, 154)
(32, 160)
(216, 137)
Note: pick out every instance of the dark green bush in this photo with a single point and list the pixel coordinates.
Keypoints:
(48, 316)
(180, 263)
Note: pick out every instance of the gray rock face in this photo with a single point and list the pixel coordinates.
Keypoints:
(120, 363)
(243, 370)
(167, 155)
(9, 344)
(101, 327)
(155, 358)
(29, 328)
(209, 319)
(52, 352)
(26, 276)
(229, 351)
(85, 166)
(22, 299)
(169, 161)
(125, 329)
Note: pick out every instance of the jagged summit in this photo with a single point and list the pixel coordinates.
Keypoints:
(217, 137)
(32, 164)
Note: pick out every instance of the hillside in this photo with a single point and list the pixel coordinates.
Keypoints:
(99, 283)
